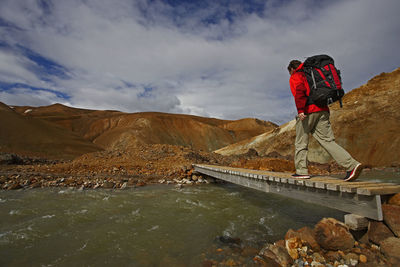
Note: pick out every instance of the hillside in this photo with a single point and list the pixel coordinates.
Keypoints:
(33, 137)
(117, 130)
(368, 126)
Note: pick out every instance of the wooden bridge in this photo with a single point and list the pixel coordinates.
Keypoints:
(359, 197)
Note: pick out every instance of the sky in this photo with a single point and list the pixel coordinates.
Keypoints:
(214, 58)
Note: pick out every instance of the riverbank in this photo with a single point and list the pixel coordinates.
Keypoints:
(164, 164)
(332, 243)
(131, 167)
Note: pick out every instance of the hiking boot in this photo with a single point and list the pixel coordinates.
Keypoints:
(354, 173)
(298, 176)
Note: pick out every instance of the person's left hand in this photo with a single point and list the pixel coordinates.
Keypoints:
(302, 116)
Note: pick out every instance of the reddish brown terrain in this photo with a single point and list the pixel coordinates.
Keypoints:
(136, 148)
(368, 126)
(118, 148)
(117, 130)
(25, 135)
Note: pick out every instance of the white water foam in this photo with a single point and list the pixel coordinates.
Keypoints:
(48, 216)
(153, 228)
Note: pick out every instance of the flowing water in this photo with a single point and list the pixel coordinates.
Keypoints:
(148, 226)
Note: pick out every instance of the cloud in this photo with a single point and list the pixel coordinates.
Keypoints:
(225, 60)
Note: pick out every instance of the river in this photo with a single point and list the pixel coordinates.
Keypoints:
(156, 225)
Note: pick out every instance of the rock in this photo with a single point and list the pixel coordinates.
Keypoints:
(124, 185)
(195, 178)
(108, 185)
(14, 186)
(395, 200)
(378, 231)
(229, 240)
(333, 235)
(265, 262)
(333, 256)
(351, 259)
(318, 258)
(306, 234)
(292, 244)
(391, 216)
(363, 258)
(36, 185)
(140, 183)
(277, 254)
(178, 186)
(390, 247)
(10, 159)
(249, 251)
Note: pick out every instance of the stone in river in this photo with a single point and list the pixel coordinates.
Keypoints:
(108, 185)
(332, 234)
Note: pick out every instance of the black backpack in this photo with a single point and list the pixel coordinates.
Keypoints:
(324, 81)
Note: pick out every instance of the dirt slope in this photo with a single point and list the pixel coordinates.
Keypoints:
(30, 136)
(116, 130)
(368, 126)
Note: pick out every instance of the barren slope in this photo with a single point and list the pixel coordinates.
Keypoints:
(34, 137)
(112, 129)
(368, 126)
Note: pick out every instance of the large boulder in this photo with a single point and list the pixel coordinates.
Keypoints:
(332, 234)
(391, 247)
(378, 231)
(391, 216)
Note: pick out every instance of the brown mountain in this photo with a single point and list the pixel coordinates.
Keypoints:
(34, 137)
(118, 130)
(368, 126)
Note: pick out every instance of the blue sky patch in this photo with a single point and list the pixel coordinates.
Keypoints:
(9, 86)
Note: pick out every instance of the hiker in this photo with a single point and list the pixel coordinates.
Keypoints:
(313, 119)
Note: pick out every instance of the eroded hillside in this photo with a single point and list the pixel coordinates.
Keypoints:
(117, 130)
(34, 137)
(368, 126)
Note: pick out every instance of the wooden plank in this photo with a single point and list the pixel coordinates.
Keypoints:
(300, 182)
(342, 184)
(352, 186)
(310, 183)
(379, 190)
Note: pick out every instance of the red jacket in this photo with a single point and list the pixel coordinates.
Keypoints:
(301, 90)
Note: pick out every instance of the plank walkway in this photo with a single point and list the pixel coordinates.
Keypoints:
(359, 197)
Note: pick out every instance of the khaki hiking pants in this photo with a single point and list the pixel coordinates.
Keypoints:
(319, 126)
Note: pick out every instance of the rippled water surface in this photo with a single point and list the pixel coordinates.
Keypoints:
(149, 226)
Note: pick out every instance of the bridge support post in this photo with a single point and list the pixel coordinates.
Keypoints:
(356, 222)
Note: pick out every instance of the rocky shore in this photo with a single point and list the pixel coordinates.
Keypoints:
(332, 243)
(131, 167)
